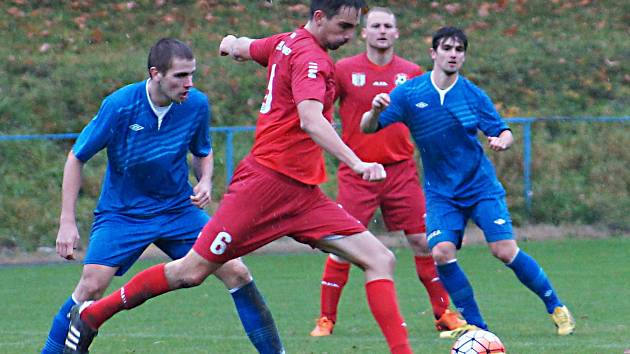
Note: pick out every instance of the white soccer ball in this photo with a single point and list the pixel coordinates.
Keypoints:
(478, 342)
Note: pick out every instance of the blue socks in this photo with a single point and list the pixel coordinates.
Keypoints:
(256, 319)
(59, 329)
(461, 292)
(532, 276)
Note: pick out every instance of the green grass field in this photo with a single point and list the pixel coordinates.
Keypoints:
(592, 277)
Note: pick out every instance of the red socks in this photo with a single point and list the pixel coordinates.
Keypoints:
(143, 286)
(425, 267)
(381, 296)
(334, 279)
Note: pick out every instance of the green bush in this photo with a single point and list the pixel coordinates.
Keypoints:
(535, 58)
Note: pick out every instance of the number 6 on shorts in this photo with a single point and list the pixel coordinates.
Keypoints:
(220, 243)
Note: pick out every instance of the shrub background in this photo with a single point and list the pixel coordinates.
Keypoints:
(534, 58)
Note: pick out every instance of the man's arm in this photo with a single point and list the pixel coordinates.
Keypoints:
(312, 121)
(68, 234)
(237, 48)
(501, 142)
(203, 168)
(369, 121)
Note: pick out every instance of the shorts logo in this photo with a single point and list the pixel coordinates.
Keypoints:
(358, 79)
(312, 70)
(400, 79)
(499, 221)
(434, 234)
(136, 127)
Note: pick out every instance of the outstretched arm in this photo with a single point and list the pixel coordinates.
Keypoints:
(68, 233)
(369, 121)
(237, 48)
(321, 131)
(501, 142)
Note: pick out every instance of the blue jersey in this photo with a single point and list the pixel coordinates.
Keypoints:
(147, 171)
(454, 163)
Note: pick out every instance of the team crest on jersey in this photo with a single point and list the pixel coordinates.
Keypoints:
(358, 79)
(400, 79)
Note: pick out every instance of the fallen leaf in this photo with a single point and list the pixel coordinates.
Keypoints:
(15, 12)
(96, 36)
(299, 8)
(44, 47)
(511, 31)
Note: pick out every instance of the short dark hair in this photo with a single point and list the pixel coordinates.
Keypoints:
(332, 7)
(449, 32)
(163, 51)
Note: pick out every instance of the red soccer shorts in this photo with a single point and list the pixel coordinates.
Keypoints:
(262, 205)
(400, 197)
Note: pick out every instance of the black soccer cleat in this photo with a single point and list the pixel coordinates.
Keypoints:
(80, 335)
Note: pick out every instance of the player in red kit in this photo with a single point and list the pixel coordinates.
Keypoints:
(359, 78)
(274, 191)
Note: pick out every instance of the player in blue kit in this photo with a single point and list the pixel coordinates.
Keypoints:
(148, 129)
(444, 111)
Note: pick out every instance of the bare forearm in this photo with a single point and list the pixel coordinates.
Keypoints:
(325, 136)
(369, 122)
(203, 168)
(72, 178)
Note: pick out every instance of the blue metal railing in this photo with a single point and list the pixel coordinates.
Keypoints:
(527, 145)
(230, 131)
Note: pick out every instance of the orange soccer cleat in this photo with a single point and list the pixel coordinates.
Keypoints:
(449, 321)
(323, 327)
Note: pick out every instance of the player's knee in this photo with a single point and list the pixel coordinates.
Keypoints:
(191, 280)
(504, 255)
(90, 289)
(419, 245)
(234, 274)
(384, 260)
(504, 250)
(443, 252)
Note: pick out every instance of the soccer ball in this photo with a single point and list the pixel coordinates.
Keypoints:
(478, 342)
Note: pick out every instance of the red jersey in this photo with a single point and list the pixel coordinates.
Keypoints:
(298, 69)
(358, 81)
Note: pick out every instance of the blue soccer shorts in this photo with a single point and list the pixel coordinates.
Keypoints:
(119, 240)
(446, 219)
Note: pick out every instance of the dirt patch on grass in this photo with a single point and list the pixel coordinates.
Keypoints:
(473, 235)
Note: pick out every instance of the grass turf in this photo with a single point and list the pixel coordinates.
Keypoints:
(589, 275)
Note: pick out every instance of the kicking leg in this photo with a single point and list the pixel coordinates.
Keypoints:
(251, 307)
(189, 271)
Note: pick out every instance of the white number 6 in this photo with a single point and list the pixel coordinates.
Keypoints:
(220, 243)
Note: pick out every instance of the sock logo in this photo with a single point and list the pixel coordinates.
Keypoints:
(122, 296)
(327, 283)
